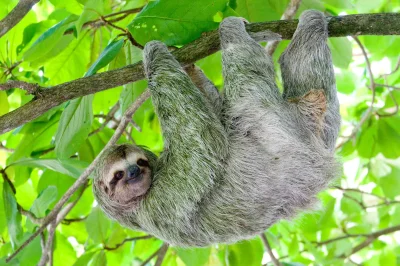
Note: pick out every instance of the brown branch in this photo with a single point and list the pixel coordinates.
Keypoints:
(161, 254)
(18, 13)
(269, 250)
(394, 70)
(365, 24)
(67, 221)
(30, 88)
(127, 240)
(81, 181)
(98, 22)
(289, 13)
(48, 246)
(47, 252)
(371, 238)
(107, 118)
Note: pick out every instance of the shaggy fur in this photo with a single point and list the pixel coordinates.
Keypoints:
(224, 178)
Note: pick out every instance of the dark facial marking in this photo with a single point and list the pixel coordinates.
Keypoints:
(117, 176)
(142, 162)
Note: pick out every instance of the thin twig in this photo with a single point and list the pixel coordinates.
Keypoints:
(4, 148)
(387, 86)
(161, 254)
(30, 88)
(394, 70)
(371, 238)
(84, 176)
(98, 22)
(73, 220)
(53, 226)
(108, 118)
(128, 240)
(269, 250)
(289, 13)
(372, 87)
(49, 245)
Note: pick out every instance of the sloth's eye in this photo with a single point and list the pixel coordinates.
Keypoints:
(142, 162)
(118, 175)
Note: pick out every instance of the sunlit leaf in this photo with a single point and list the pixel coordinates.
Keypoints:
(12, 215)
(69, 167)
(74, 127)
(180, 23)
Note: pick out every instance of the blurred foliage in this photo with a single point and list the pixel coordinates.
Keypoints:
(60, 41)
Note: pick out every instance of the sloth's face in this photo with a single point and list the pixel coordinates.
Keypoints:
(125, 174)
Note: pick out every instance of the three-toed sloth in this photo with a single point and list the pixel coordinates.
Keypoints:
(234, 164)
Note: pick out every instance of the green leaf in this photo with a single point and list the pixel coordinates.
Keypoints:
(109, 53)
(99, 259)
(387, 136)
(175, 22)
(74, 127)
(48, 40)
(388, 257)
(60, 181)
(36, 135)
(345, 82)
(194, 256)
(349, 206)
(43, 202)
(3, 103)
(84, 259)
(73, 168)
(93, 9)
(390, 184)
(379, 167)
(365, 6)
(366, 144)
(13, 216)
(97, 226)
(342, 53)
(64, 254)
(3, 220)
(245, 253)
(260, 10)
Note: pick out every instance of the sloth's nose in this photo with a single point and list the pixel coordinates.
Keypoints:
(133, 171)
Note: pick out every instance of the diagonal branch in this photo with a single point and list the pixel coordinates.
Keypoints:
(18, 13)
(365, 24)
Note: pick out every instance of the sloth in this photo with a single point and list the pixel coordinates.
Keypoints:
(233, 164)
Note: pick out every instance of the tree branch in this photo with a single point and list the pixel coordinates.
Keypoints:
(18, 13)
(365, 24)
(371, 238)
(269, 250)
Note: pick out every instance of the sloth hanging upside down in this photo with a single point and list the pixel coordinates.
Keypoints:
(234, 164)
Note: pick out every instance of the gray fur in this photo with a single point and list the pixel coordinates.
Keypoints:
(224, 181)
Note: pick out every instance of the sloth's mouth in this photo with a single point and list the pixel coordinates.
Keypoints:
(134, 179)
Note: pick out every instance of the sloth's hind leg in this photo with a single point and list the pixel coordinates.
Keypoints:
(248, 70)
(308, 77)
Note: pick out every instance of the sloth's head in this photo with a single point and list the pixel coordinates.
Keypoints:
(123, 176)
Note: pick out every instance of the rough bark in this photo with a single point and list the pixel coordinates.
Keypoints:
(364, 24)
(16, 15)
